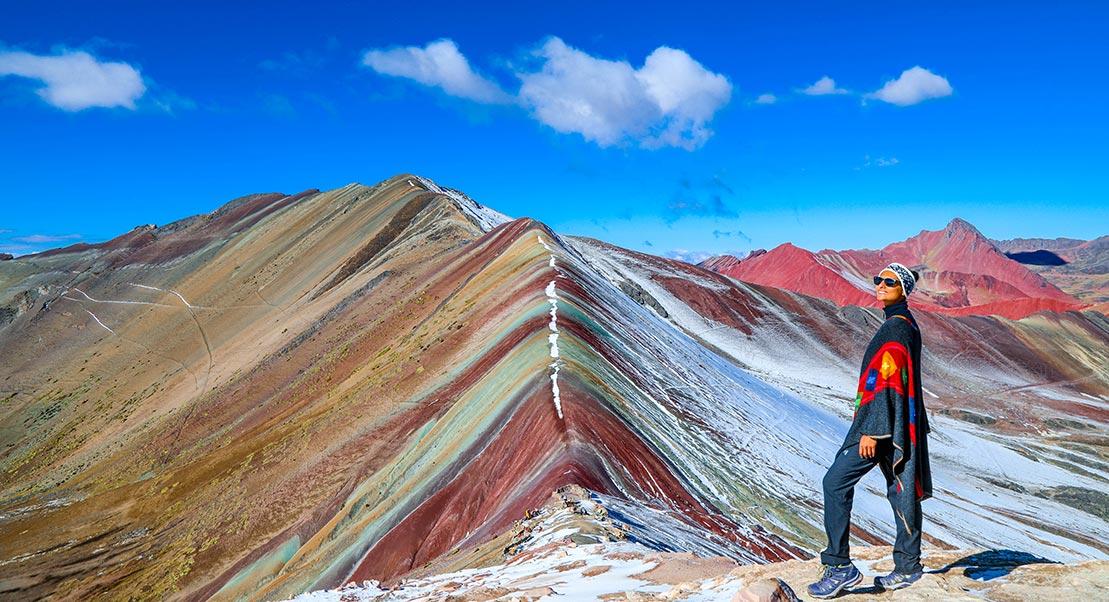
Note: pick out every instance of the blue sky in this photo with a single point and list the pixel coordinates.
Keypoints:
(638, 123)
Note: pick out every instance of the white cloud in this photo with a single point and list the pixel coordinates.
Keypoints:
(688, 256)
(879, 162)
(823, 86)
(33, 243)
(439, 64)
(75, 80)
(766, 99)
(45, 238)
(669, 101)
(914, 85)
(169, 101)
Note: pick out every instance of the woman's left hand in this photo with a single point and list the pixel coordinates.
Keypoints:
(868, 447)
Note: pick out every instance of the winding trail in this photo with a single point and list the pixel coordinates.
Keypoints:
(192, 314)
(196, 381)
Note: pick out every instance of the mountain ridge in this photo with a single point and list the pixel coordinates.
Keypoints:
(962, 273)
(223, 417)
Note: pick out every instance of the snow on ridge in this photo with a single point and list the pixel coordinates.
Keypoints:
(485, 217)
(552, 298)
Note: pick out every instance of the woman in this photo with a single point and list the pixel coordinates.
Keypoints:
(889, 430)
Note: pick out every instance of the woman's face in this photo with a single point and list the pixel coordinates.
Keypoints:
(888, 295)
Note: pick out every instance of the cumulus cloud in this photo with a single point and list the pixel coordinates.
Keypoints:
(669, 101)
(438, 64)
(766, 99)
(914, 85)
(74, 80)
(823, 86)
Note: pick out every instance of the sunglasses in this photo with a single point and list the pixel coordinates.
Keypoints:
(890, 282)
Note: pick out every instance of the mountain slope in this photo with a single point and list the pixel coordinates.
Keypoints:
(292, 393)
(962, 273)
(1079, 267)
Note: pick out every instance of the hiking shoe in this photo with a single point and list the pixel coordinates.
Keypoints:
(834, 579)
(896, 580)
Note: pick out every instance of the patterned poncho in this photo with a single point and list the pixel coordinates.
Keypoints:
(889, 403)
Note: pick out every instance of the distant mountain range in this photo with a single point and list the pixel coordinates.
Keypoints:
(299, 391)
(1079, 267)
(962, 272)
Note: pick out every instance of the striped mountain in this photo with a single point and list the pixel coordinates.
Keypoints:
(298, 391)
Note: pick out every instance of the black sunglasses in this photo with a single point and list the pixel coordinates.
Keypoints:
(890, 282)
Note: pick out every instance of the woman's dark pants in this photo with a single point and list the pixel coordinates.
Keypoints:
(839, 493)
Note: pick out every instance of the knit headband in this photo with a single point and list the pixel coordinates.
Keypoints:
(908, 283)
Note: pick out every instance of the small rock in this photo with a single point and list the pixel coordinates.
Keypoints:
(767, 590)
(593, 571)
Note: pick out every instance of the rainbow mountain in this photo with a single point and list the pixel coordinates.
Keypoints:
(295, 392)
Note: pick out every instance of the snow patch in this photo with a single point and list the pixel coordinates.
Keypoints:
(483, 216)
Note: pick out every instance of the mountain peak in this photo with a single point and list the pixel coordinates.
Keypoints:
(959, 224)
(719, 262)
(484, 216)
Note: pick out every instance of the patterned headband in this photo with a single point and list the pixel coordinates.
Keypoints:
(908, 283)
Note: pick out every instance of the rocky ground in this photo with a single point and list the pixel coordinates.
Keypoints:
(570, 549)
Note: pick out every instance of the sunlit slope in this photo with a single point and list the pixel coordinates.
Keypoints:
(140, 400)
(295, 392)
(283, 409)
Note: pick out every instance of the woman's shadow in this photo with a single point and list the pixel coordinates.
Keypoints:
(983, 566)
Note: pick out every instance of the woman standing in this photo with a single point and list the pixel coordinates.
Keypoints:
(889, 429)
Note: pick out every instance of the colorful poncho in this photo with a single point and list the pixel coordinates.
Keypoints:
(890, 403)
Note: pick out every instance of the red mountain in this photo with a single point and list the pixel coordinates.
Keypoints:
(962, 273)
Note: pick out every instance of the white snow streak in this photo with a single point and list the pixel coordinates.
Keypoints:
(552, 298)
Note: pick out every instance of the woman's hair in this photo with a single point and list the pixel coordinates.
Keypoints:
(916, 275)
